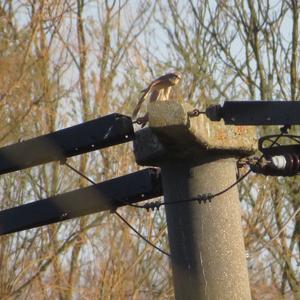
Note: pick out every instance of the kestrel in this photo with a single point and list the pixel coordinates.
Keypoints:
(159, 89)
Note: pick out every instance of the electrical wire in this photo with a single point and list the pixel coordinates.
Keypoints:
(209, 196)
(93, 182)
(200, 198)
(120, 216)
(246, 174)
(141, 236)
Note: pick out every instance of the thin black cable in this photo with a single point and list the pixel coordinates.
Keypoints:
(200, 198)
(208, 197)
(79, 173)
(93, 182)
(115, 212)
(141, 236)
(232, 185)
(246, 174)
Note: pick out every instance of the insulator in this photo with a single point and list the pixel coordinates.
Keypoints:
(279, 162)
(287, 164)
(293, 163)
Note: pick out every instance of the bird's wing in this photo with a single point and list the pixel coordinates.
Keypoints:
(154, 95)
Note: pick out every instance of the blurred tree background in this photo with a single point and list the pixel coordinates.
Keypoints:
(64, 62)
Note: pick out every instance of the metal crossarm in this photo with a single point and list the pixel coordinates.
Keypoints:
(108, 195)
(89, 136)
(256, 112)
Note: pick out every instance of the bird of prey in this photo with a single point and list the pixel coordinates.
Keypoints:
(159, 89)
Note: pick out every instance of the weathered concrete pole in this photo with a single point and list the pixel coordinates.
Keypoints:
(197, 156)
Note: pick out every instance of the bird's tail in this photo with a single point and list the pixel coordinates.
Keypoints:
(138, 106)
(141, 100)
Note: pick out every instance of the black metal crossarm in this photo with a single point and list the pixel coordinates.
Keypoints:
(108, 195)
(89, 136)
(256, 112)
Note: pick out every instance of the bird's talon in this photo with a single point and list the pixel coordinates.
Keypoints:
(142, 121)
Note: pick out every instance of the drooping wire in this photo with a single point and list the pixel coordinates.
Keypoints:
(209, 196)
(141, 236)
(200, 198)
(78, 172)
(93, 182)
(283, 130)
(117, 214)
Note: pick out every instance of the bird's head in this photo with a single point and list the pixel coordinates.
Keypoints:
(175, 77)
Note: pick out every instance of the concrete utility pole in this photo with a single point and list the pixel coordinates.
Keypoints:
(197, 156)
